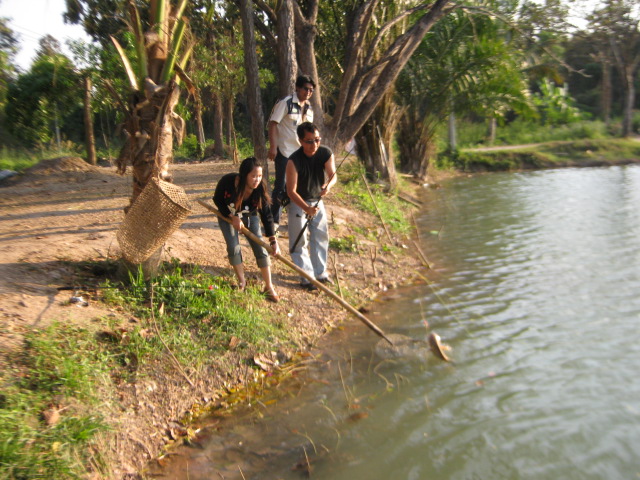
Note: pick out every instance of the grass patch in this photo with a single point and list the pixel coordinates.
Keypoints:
(344, 244)
(393, 210)
(71, 369)
(200, 313)
(587, 152)
(61, 367)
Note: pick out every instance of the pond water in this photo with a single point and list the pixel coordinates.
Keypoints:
(534, 285)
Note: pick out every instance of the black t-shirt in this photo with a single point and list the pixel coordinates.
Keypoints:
(225, 196)
(311, 174)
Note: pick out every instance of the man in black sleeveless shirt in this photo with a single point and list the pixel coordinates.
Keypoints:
(308, 169)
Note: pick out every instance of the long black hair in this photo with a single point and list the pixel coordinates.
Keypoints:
(246, 167)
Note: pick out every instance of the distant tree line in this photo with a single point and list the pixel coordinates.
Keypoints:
(390, 74)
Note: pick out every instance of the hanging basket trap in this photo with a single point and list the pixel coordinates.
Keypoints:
(158, 211)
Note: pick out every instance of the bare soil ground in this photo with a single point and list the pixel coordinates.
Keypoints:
(63, 213)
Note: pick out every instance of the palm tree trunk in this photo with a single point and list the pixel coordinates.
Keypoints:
(151, 138)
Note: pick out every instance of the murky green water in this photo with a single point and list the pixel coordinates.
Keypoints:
(535, 286)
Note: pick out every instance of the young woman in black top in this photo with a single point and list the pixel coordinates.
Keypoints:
(243, 197)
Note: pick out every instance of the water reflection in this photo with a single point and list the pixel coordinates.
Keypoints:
(535, 286)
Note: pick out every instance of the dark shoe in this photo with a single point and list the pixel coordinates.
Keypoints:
(270, 296)
(309, 287)
(325, 280)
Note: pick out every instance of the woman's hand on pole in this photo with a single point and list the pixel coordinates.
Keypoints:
(236, 222)
(275, 248)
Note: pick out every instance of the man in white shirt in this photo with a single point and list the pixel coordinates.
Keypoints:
(285, 117)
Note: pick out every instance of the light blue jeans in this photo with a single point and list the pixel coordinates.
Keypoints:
(234, 252)
(311, 252)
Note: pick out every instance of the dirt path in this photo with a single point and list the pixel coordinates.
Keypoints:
(65, 212)
(59, 218)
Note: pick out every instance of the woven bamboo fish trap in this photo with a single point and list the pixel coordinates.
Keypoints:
(158, 211)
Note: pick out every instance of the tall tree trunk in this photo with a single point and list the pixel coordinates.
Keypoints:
(218, 141)
(453, 140)
(492, 130)
(374, 141)
(629, 101)
(253, 83)
(415, 141)
(605, 98)
(56, 125)
(200, 137)
(287, 65)
(90, 141)
(306, 32)
(229, 104)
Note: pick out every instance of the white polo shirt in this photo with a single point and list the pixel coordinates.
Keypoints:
(287, 113)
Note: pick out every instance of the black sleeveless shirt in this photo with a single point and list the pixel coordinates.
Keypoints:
(311, 174)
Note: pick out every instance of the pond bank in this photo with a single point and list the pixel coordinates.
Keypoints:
(58, 229)
(579, 153)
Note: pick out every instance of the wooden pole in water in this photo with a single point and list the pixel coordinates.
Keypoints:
(297, 269)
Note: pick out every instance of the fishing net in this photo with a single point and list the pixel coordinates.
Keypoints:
(158, 211)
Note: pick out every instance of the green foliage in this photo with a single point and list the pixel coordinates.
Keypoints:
(190, 148)
(8, 48)
(522, 132)
(201, 313)
(344, 244)
(50, 92)
(555, 105)
(245, 146)
(393, 211)
(66, 362)
(465, 65)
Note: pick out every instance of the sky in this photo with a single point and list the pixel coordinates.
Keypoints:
(33, 19)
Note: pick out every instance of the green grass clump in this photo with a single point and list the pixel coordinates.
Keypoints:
(61, 365)
(393, 211)
(344, 244)
(200, 313)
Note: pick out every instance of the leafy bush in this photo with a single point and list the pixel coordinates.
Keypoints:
(345, 244)
(190, 148)
(555, 105)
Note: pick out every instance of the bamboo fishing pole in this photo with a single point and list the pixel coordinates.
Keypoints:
(297, 269)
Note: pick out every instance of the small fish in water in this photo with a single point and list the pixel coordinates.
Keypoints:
(437, 347)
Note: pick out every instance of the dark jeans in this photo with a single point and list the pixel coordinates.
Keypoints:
(234, 252)
(279, 186)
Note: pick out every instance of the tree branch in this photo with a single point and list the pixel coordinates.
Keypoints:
(393, 61)
(268, 11)
(350, 79)
(264, 30)
(385, 28)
